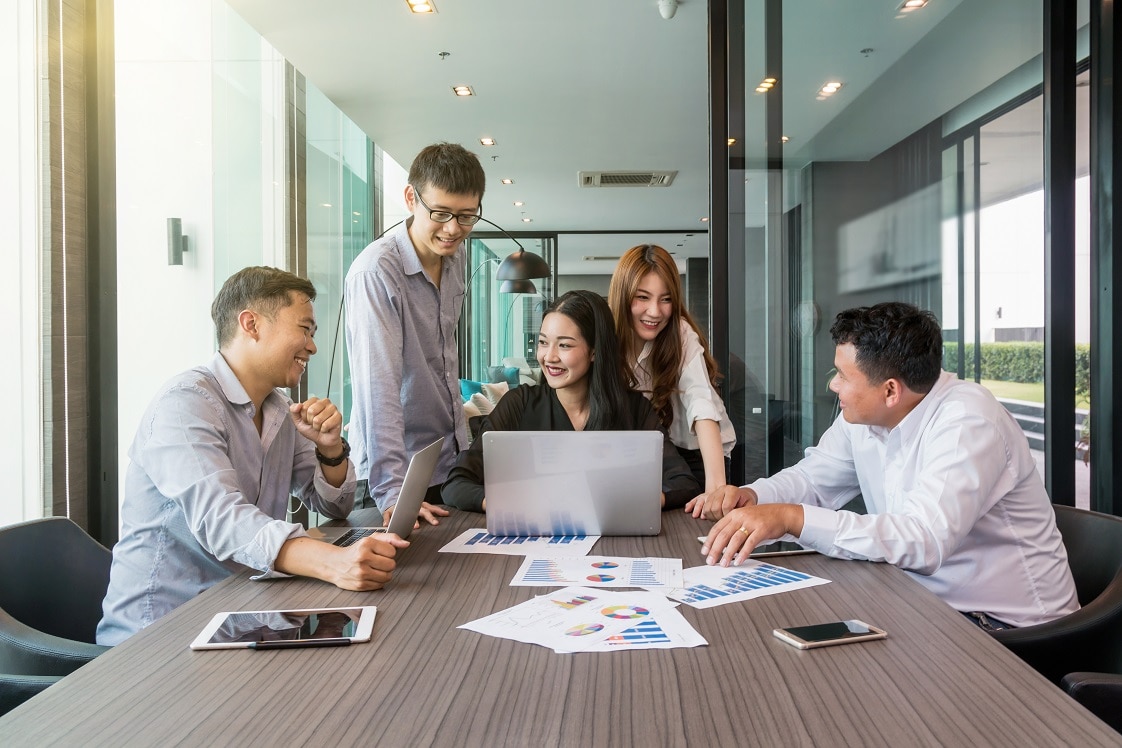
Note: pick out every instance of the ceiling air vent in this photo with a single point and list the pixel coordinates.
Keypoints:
(626, 178)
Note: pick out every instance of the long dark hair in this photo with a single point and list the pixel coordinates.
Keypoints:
(607, 382)
(666, 354)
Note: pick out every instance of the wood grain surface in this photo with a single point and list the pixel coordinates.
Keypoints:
(936, 680)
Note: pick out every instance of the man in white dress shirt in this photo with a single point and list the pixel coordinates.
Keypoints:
(952, 492)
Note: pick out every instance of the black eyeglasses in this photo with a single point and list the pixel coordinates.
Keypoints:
(443, 216)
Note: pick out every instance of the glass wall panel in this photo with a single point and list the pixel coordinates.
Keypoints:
(340, 206)
(885, 155)
(499, 329)
(1082, 287)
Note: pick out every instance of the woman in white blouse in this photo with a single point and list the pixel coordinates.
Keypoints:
(670, 360)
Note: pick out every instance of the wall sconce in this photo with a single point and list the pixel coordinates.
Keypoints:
(177, 242)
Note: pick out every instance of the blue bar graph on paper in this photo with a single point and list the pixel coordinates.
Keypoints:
(761, 577)
(485, 538)
(643, 574)
(647, 632)
(544, 571)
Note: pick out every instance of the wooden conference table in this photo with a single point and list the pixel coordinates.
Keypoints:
(937, 679)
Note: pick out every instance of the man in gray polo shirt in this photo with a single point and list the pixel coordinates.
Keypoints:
(403, 297)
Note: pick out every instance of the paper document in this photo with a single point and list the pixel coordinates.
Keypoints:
(481, 541)
(707, 586)
(600, 571)
(582, 619)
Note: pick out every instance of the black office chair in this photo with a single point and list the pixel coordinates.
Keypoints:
(1089, 639)
(1101, 693)
(55, 576)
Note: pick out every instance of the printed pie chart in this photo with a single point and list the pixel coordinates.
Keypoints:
(625, 611)
(584, 629)
(605, 565)
(600, 578)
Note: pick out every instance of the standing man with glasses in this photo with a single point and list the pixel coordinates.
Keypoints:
(403, 296)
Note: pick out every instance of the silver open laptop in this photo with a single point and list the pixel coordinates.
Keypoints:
(409, 500)
(573, 482)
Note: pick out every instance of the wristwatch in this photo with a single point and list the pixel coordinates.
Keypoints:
(334, 461)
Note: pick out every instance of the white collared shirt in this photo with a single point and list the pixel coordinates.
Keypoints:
(953, 497)
(695, 400)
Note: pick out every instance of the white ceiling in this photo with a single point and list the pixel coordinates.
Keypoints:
(610, 85)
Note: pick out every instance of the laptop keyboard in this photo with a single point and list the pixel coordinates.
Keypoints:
(356, 534)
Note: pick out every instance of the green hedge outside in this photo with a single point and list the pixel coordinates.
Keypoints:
(1018, 362)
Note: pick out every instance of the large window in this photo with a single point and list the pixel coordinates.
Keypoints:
(876, 155)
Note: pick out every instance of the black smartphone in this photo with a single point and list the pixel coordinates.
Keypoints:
(828, 634)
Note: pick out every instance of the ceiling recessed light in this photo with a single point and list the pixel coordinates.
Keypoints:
(830, 88)
(518, 203)
(463, 91)
(527, 220)
(784, 139)
(705, 220)
(421, 6)
(910, 5)
(507, 181)
(761, 89)
(487, 141)
(325, 205)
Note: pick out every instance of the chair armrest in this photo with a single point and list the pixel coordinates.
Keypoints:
(1104, 612)
(16, 689)
(1083, 640)
(1101, 693)
(30, 651)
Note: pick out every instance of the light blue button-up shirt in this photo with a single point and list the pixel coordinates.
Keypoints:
(206, 495)
(405, 362)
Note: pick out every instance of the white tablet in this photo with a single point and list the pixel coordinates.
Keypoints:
(276, 629)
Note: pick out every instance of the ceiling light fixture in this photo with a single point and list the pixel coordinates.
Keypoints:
(421, 6)
(463, 91)
(486, 141)
(909, 5)
(831, 88)
(518, 203)
(766, 85)
(507, 181)
(527, 220)
(705, 220)
(667, 8)
(784, 139)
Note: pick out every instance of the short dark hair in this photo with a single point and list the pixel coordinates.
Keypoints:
(265, 290)
(449, 167)
(607, 382)
(894, 340)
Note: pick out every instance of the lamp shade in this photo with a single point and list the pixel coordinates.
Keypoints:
(522, 265)
(518, 286)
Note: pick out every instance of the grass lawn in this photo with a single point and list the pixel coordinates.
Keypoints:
(1033, 393)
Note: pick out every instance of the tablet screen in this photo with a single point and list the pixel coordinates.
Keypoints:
(278, 624)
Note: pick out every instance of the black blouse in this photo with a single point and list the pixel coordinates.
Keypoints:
(536, 408)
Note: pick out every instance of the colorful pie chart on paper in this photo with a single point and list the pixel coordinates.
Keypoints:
(605, 565)
(584, 629)
(600, 578)
(625, 611)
